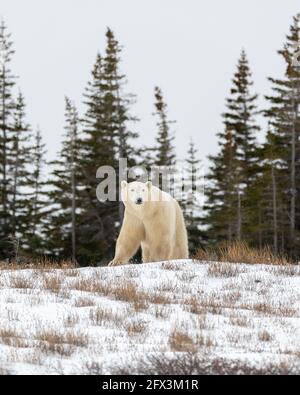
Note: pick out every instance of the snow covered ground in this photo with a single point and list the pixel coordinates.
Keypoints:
(171, 317)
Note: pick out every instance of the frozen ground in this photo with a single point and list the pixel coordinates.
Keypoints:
(172, 317)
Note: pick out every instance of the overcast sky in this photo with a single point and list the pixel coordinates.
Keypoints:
(187, 47)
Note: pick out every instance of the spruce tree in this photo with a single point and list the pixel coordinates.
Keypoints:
(234, 170)
(221, 193)
(271, 186)
(240, 117)
(117, 108)
(36, 213)
(19, 162)
(164, 158)
(284, 117)
(7, 82)
(165, 151)
(191, 200)
(62, 226)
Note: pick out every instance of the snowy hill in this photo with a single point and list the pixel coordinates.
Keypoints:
(172, 317)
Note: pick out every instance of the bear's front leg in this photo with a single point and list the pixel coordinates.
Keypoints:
(161, 237)
(129, 240)
(117, 262)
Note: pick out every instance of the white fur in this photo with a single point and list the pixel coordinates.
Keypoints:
(157, 225)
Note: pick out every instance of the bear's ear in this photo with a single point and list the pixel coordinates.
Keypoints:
(123, 184)
(148, 184)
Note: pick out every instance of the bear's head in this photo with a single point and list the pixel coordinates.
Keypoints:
(136, 193)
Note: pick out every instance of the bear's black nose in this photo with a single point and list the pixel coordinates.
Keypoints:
(139, 201)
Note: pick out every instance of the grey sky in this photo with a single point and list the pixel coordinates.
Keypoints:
(187, 47)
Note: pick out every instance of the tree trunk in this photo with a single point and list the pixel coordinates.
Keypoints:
(15, 187)
(239, 214)
(73, 213)
(293, 173)
(259, 227)
(4, 147)
(274, 194)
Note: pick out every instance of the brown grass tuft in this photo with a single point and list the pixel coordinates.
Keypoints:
(101, 317)
(53, 282)
(265, 336)
(238, 320)
(84, 302)
(223, 269)
(128, 292)
(266, 308)
(194, 306)
(159, 298)
(90, 285)
(52, 341)
(135, 328)
(240, 252)
(20, 281)
(41, 263)
(180, 341)
(173, 266)
(8, 336)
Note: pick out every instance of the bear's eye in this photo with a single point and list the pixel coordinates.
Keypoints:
(131, 190)
(143, 190)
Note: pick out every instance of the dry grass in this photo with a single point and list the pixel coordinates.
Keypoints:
(71, 273)
(223, 269)
(239, 321)
(167, 286)
(84, 302)
(8, 336)
(173, 266)
(266, 308)
(286, 270)
(194, 306)
(231, 297)
(91, 285)
(21, 281)
(205, 341)
(70, 320)
(265, 336)
(53, 282)
(135, 328)
(42, 263)
(139, 300)
(128, 292)
(55, 342)
(159, 298)
(204, 304)
(102, 317)
(180, 341)
(240, 252)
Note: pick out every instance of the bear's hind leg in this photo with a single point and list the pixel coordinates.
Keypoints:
(161, 252)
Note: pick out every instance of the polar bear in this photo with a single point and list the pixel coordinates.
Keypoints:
(152, 220)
